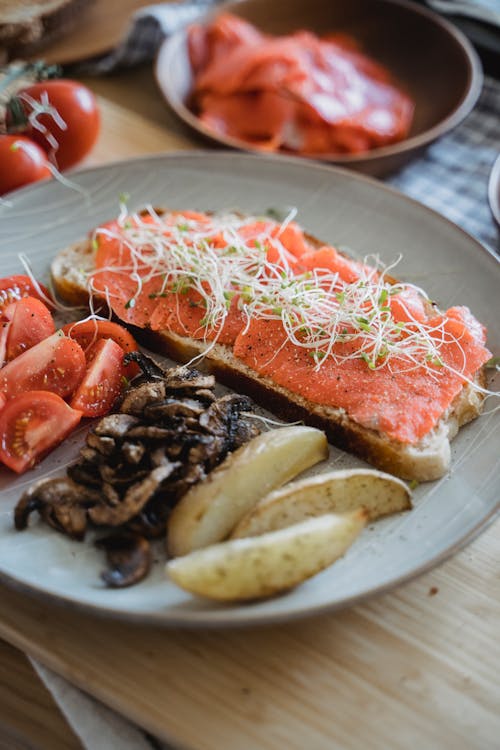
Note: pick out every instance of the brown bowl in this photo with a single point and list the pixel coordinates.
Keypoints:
(432, 60)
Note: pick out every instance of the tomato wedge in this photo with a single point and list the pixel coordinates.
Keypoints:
(13, 288)
(56, 364)
(103, 380)
(31, 425)
(89, 332)
(30, 323)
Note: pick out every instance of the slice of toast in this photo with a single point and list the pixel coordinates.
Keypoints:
(428, 460)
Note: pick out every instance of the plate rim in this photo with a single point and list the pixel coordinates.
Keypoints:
(302, 162)
(223, 617)
(196, 619)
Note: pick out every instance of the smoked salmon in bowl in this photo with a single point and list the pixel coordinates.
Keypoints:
(348, 83)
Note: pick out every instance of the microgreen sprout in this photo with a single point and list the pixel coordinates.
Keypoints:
(225, 257)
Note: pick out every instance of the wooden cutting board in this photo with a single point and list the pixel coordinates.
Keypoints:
(415, 668)
(127, 133)
(21, 692)
(99, 28)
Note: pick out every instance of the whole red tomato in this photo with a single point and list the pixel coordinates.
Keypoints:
(68, 135)
(21, 162)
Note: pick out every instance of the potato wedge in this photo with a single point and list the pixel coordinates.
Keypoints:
(210, 510)
(334, 492)
(266, 565)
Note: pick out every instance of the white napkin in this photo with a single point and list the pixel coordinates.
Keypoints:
(480, 10)
(97, 727)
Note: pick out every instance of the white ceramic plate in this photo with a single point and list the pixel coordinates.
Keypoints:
(341, 208)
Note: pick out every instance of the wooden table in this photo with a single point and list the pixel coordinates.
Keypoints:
(416, 668)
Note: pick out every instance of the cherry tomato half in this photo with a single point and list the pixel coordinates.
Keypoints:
(30, 323)
(22, 161)
(56, 364)
(31, 425)
(89, 332)
(103, 380)
(13, 288)
(76, 126)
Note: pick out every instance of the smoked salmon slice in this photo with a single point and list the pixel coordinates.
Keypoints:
(392, 362)
(298, 93)
(403, 402)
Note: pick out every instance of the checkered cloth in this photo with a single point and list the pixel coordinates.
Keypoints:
(451, 177)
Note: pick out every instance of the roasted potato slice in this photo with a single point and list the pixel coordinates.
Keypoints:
(266, 565)
(210, 510)
(334, 492)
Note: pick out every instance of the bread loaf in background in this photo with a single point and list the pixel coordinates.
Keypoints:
(26, 26)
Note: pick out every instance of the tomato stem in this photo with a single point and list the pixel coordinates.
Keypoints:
(16, 116)
(13, 77)
(35, 71)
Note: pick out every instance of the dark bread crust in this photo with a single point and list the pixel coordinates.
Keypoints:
(424, 462)
(344, 433)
